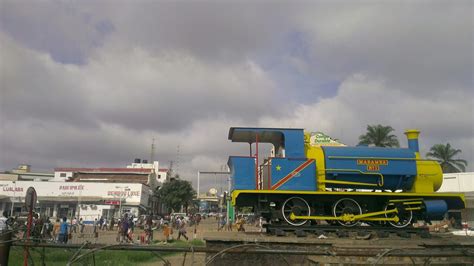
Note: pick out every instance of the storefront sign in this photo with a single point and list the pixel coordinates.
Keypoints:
(80, 190)
(123, 193)
(69, 187)
(13, 189)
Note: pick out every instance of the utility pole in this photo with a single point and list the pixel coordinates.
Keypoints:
(177, 160)
(152, 153)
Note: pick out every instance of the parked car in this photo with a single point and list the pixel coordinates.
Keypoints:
(175, 215)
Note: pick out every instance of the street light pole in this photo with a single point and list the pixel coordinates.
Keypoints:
(13, 199)
(122, 197)
(198, 185)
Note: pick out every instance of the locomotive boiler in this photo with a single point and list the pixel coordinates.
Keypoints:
(312, 178)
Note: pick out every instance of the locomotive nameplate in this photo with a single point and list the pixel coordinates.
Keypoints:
(373, 167)
(372, 164)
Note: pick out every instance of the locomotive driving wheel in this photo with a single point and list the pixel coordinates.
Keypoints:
(297, 206)
(405, 216)
(346, 206)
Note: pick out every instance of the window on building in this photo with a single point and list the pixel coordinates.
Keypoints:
(62, 175)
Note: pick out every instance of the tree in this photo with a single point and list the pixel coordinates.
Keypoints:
(444, 154)
(176, 193)
(379, 136)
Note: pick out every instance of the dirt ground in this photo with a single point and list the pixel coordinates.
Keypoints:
(206, 227)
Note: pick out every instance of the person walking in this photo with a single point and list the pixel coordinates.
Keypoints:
(63, 231)
(74, 225)
(148, 230)
(229, 224)
(101, 222)
(56, 227)
(112, 223)
(240, 224)
(47, 228)
(81, 225)
(104, 226)
(124, 227)
(167, 232)
(96, 228)
(3, 222)
(182, 230)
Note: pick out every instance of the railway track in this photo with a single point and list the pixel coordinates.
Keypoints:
(340, 231)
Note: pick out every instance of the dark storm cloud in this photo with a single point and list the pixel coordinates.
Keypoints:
(215, 30)
(34, 86)
(56, 27)
(184, 73)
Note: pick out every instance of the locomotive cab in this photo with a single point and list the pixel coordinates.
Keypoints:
(287, 169)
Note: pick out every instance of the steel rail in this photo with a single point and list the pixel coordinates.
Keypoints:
(334, 251)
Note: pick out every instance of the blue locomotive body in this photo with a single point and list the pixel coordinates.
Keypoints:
(323, 178)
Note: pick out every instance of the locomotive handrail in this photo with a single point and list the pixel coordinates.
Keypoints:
(380, 158)
(380, 183)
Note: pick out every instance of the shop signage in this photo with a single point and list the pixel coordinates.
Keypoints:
(320, 139)
(13, 189)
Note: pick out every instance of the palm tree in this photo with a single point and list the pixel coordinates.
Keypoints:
(444, 155)
(379, 136)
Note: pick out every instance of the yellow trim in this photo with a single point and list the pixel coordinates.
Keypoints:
(407, 202)
(380, 183)
(383, 219)
(236, 193)
(400, 200)
(349, 183)
(379, 158)
(413, 209)
(316, 153)
(412, 133)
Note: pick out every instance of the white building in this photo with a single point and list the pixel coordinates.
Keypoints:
(156, 175)
(461, 182)
(77, 199)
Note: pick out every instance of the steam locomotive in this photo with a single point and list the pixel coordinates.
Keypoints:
(311, 178)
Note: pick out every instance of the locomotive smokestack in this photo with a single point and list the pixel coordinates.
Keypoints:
(412, 136)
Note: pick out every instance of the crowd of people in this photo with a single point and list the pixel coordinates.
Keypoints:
(62, 230)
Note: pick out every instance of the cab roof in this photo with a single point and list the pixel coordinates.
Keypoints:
(266, 135)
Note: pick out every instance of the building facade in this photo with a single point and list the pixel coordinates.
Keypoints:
(464, 183)
(77, 199)
(88, 193)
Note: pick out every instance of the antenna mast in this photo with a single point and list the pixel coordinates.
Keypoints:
(177, 160)
(152, 153)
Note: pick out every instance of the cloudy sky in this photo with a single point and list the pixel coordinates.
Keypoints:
(90, 83)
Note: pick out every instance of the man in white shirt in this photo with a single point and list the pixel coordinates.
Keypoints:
(74, 225)
(3, 221)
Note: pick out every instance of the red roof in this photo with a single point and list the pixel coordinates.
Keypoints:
(108, 170)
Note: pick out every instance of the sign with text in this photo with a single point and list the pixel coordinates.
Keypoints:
(112, 202)
(81, 191)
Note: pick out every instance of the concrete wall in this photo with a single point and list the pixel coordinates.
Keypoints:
(461, 183)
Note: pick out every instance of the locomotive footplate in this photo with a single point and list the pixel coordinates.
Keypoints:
(341, 231)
